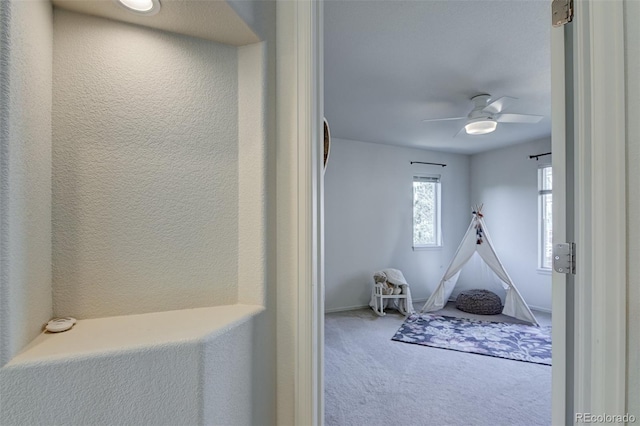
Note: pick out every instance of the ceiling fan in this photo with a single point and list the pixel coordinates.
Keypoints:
(487, 113)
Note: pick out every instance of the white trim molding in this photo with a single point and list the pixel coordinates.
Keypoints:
(600, 290)
(560, 380)
(299, 205)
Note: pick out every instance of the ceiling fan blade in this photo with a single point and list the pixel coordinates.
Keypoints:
(498, 105)
(460, 132)
(518, 118)
(444, 119)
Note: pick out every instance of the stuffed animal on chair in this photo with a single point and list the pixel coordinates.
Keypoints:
(387, 287)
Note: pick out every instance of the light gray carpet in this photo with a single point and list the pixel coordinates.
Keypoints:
(371, 380)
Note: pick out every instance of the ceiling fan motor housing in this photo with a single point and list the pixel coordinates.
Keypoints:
(481, 100)
(478, 113)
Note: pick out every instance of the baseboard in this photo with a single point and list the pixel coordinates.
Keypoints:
(354, 308)
(345, 308)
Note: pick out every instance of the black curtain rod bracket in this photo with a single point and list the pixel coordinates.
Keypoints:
(431, 164)
(539, 155)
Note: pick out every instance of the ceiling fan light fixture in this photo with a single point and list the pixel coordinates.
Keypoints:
(481, 127)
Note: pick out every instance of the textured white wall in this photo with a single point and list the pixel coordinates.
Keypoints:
(632, 49)
(368, 218)
(158, 387)
(226, 378)
(145, 169)
(194, 368)
(286, 249)
(252, 149)
(506, 181)
(264, 388)
(256, 233)
(228, 397)
(25, 163)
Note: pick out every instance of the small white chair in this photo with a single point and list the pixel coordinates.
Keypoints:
(402, 301)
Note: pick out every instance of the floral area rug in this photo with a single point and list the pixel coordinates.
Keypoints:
(503, 340)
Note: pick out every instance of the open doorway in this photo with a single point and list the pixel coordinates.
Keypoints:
(389, 67)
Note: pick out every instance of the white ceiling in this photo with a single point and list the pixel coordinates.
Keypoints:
(388, 65)
(215, 20)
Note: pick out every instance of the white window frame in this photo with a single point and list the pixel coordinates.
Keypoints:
(438, 226)
(541, 229)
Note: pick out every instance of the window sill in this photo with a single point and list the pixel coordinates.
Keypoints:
(421, 248)
(545, 271)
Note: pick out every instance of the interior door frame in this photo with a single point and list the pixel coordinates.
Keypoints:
(299, 204)
(562, 290)
(594, 378)
(600, 221)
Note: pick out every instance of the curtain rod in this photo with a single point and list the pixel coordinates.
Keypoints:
(539, 155)
(433, 164)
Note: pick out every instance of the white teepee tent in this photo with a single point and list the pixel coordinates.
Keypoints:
(477, 240)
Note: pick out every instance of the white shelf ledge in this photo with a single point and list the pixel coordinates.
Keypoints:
(110, 335)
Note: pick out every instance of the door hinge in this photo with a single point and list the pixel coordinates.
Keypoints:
(564, 258)
(561, 12)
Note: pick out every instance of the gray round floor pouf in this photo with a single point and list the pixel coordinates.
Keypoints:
(483, 302)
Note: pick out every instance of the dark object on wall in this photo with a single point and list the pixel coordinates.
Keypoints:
(432, 164)
(539, 155)
(482, 302)
(327, 143)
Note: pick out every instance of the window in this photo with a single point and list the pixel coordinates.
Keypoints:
(545, 244)
(426, 211)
